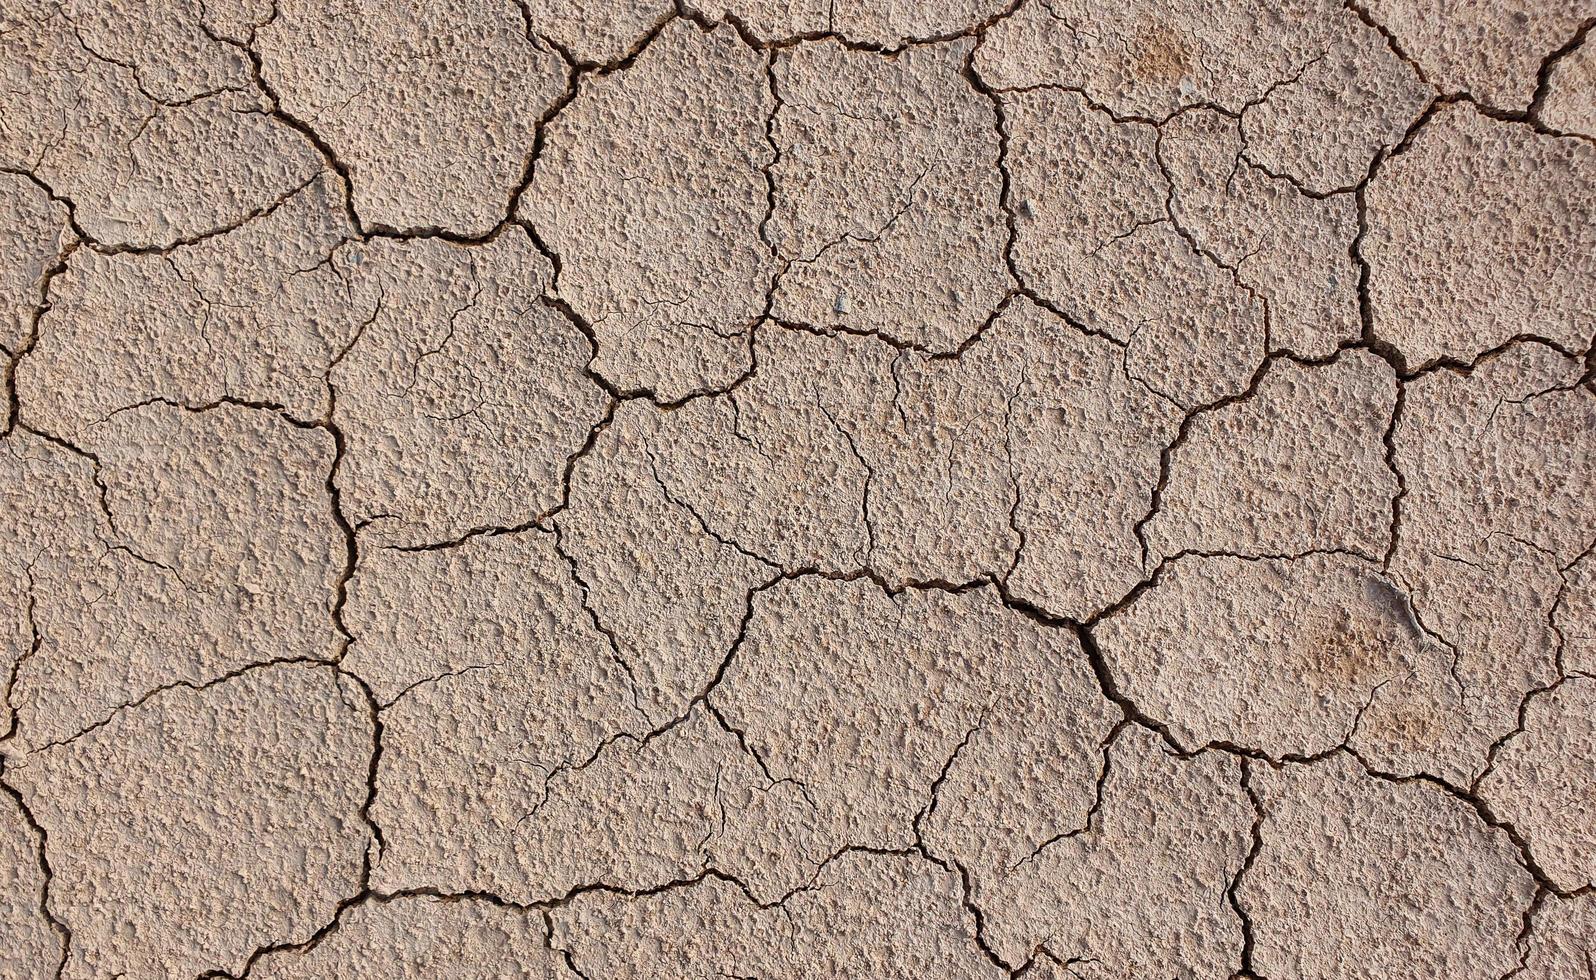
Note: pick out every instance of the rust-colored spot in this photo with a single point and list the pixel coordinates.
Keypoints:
(1161, 55)
(1410, 724)
(1337, 651)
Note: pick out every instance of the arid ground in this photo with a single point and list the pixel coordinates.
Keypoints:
(554, 489)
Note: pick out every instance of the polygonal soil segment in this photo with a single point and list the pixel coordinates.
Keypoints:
(490, 677)
(670, 592)
(1027, 458)
(1559, 942)
(941, 660)
(1149, 59)
(1570, 103)
(1298, 464)
(430, 108)
(125, 599)
(1541, 782)
(461, 395)
(1493, 52)
(1492, 573)
(1352, 853)
(276, 754)
(1095, 238)
(1292, 249)
(424, 936)
(34, 237)
(1141, 888)
(1205, 649)
(886, 175)
(859, 23)
(257, 314)
(34, 946)
(1483, 230)
(866, 914)
(651, 189)
(1325, 127)
(149, 152)
(1574, 614)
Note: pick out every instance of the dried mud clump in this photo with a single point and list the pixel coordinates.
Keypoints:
(578, 489)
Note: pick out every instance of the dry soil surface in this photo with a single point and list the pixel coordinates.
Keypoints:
(557, 489)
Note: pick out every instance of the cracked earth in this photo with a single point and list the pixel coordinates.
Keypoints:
(798, 488)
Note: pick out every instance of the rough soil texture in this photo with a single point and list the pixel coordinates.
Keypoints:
(577, 489)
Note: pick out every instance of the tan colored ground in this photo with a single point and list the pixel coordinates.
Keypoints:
(559, 489)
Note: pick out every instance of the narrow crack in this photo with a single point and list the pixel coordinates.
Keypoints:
(1233, 892)
(1103, 770)
(374, 710)
(46, 871)
(1543, 75)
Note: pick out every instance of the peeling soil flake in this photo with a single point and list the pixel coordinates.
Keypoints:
(797, 489)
